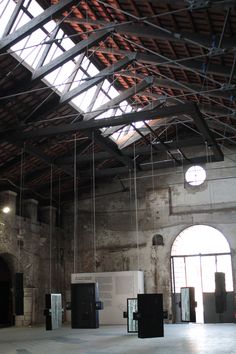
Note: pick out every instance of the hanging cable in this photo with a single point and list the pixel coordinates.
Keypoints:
(130, 195)
(136, 209)
(59, 200)
(75, 204)
(20, 206)
(50, 234)
(94, 209)
(153, 183)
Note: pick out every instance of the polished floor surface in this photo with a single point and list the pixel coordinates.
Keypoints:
(182, 338)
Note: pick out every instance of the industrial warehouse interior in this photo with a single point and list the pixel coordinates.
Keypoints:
(117, 176)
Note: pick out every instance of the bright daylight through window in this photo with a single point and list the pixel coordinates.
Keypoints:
(195, 175)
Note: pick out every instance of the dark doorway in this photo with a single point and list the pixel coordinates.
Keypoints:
(6, 315)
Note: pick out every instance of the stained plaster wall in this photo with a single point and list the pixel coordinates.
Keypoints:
(116, 235)
(118, 232)
(25, 247)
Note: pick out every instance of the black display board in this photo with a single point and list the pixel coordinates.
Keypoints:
(84, 309)
(150, 315)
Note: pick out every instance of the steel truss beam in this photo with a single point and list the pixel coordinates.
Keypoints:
(205, 131)
(191, 5)
(148, 81)
(150, 107)
(189, 87)
(147, 31)
(34, 24)
(112, 148)
(97, 78)
(34, 151)
(71, 53)
(12, 20)
(143, 150)
(155, 59)
(124, 119)
(116, 171)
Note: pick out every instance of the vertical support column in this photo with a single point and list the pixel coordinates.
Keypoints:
(29, 306)
(48, 215)
(30, 209)
(8, 198)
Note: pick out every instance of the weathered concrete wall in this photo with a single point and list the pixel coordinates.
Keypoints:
(116, 235)
(25, 246)
(125, 221)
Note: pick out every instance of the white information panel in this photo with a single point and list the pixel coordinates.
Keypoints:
(114, 289)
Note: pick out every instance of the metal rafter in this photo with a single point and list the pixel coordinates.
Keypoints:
(191, 5)
(203, 128)
(220, 92)
(92, 81)
(14, 15)
(34, 24)
(124, 119)
(123, 96)
(112, 148)
(155, 59)
(116, 171)
(34, 151)
(146, 31)
(151, 106)
(140, 150)
(71, 53)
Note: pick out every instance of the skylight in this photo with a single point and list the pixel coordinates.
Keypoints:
(44, 45)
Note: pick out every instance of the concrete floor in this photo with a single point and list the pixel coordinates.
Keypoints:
(182, 338)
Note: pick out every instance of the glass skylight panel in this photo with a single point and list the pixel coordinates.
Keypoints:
(106, 85)
(38, 52)
(67, 43)
(92, 70)
(34, 8)
(53, 53)
(6, 9)
(78, 79)
(31, 49)
(85, 64)
(119, 112)
(128, 109)
(106, 114)
(113, 92)
(62, 76)
(100, 100)
(21, 20)
(78, 100)
(138, 124)
(50, 26)
(51, 77)
(116, 135)
(85, 99)
(18, 48)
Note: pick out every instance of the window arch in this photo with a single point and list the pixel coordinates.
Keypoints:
(197, 254)
(200, 239)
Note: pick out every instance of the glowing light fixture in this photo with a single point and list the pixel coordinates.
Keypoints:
(6, 209)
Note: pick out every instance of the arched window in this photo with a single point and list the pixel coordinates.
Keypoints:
(197, 254)
(200, 239)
